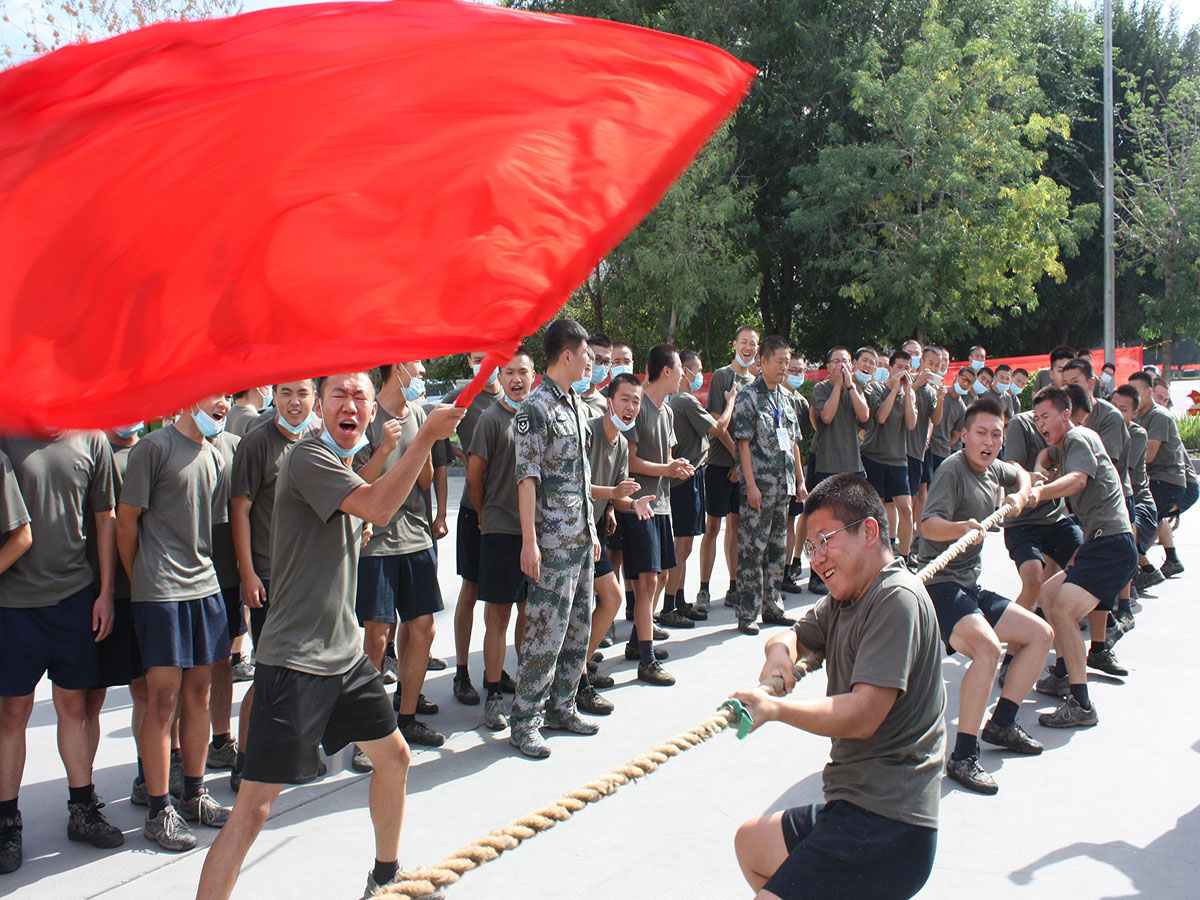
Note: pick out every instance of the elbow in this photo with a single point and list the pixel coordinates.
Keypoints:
(22, 538)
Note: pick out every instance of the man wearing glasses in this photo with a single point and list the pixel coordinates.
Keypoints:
(876, 834)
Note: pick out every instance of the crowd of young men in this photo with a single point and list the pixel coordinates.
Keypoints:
(305, 511)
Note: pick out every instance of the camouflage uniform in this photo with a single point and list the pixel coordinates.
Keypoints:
(550, 447)
(762, 532)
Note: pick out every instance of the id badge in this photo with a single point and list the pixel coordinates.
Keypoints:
(785, 439)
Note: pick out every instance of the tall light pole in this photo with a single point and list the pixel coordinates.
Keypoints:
(1110, 325)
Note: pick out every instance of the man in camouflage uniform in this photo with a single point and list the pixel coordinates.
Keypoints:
(766, 430)
(558, 544)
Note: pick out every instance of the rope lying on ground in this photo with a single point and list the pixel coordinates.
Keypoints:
(428, 880)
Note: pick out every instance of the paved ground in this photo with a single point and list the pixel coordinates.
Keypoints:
(1109, 812)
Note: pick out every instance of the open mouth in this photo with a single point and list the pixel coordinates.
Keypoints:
(829, 573)
(346, 427)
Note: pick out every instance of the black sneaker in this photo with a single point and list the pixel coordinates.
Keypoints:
(1014, 738)
(1106, 661)
(628, 612)
(654, 673)
(816, 585)
(1148, 578)
(1171, 568)
(464, 691)
(424, 707)
(971, 775)
(691, 612)
(632, 653)
(592, 666)
(417, 732)
(675, 619)
(748, 626)
(507, 685)
(590, 702)
(10, 844)
(791, 580)
(660, 634)
(1126, 621)
(601, 681)
(86, 823)
(607, 640)
(776, 617)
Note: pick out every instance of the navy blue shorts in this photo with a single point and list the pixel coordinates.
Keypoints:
(1166, 496)
(182, 633)
(294, 711)
(1103, 566)
(889, 481)
(404, 585)
(1145, 525)
(810, 470)
(615, 541)
(1058, 540)
(55, 639)
(500, 577)
(120, 656)
(1191, 494)
(720, 494)
(795, 507)
(466, 540)
(934, 462)
(258, 617)
(953, 601)
(837, 851)
(919, 473)
(234, 611)
(818, 477)
(649, 544)
(688, 506)
(604, 565)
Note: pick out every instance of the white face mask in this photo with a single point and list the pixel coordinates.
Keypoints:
(209, 427)
(296, 429)
(341, 451)
(618, 424)
(621, 370)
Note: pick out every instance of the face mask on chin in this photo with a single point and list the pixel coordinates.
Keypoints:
(209, 427)
(341, 451)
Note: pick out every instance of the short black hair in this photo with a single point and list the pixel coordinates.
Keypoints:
(1130, 392)
(1144, 377)
(616, 344)
(897, 356)
(1080, 364)
(319, 382)
(1062, 351)
(742, 328)
(1160, 381)
(863, 350)
(600, 339)
(772, 345)
(850, 497)
(1017, 372)
(686, 356)
(1085, 353)
(985, 370)
(978, 347)
(932, 348)
(984, 406)
(1003, 367)
(1080, 398)
(661, 356)
(562, 335)
(834, 349)
(1109, 365)
(240, 394)
(623, 378)
(1051, 394)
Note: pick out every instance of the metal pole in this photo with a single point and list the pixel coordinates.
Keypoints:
(1110, 326)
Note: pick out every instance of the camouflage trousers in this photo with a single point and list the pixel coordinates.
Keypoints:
(558, 622)
(762, 548)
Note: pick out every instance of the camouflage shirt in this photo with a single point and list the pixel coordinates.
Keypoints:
(757, 413)
(550, 448)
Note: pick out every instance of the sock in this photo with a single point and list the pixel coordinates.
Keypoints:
(1005, 713)
(141, 775)
(1097, 647)
(1125, 605)
(80, 794)
(191, 786)
(403, 720)
(493, 687)
(235, 659)
(1060, 667)
(1080, 693)
(390, 651)
(1007, 659)
(1147, 568)
(220, 740)
(965, 745)
(239, 762)
(679, 601)
(385, 871)
(1171, 557)
(462, 674)
(704, 585)
(8, 808)
(176, 755)
(646, 648)
(668, 603)
(156, 803)
(629, 599)
(633, 638)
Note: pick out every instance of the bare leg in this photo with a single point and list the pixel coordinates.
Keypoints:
(731, 551)
(608, 603)
(974, 639)
(228, 852)
(163, 692)
(414, 662)
(904, 514)
(708, 547)
(390, 758)
(760, 848)
(1029, 640)
(195, 690)
(74, 736)
(375, 638)
(221, 699)
(495, 639)
(464, 620)
(94, 703)
(14, 717)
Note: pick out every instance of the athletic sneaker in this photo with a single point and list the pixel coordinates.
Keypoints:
(690, 611)
(529, 741)
(703, 600)
(222, 757)
(1106, 661)
(169, 831)
(731, 601)
(1126, 621)
(570, 721)
(816, 585)
(632, 653)
(417, 732)
(1053, 685)
(464, 691)
(590, 701)
(1113, 633)
(86, 823)
(776, 617)
(373, 887)
(1171, 568)
(391, 670)
(1070, 715)
(235, 778)
(654, 673)
(424, 707)
(1148, 578)
(495, 713)
(609, 637)
(601, 682)
(971, 775)
(204, 809)
(435, 664)
(1014, 738)
(673, 618)
(360, 762)
(243, 670)
(10, 844)
(137, 793)
(791, 579)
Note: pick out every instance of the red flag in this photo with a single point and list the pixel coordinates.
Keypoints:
(210, 205)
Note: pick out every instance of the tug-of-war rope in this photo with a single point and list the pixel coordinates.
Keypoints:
(428, 881)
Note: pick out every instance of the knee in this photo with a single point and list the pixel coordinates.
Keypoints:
(988, 652)
(421, 631)
(70, 704)
(137, 691)
(15, 712)
(392, 757)
(161, 704)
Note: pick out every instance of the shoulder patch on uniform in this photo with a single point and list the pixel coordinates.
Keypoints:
(521, 423)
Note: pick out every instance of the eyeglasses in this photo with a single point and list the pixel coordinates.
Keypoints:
(822, 541)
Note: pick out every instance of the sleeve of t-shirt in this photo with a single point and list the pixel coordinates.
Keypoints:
(621, 469)
(822, 391)
(717, 386)
(697, 416)
(320, 480)
(1158, 428)
(140, 474)
(1016, 447)
(945, 492)
(246, 475)
(101, 493)
(742, 425)
(13, 513)
(1006, 474)
(802, 414)
(813, 628)
(220, 497)
(1078, 456)
(530, 438)
(889, 641)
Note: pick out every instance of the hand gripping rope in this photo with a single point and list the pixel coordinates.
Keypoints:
(428, 881)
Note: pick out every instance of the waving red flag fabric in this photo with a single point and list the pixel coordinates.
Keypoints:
(210, 205)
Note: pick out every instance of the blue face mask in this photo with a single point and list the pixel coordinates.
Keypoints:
(863, 377)
(414, 389)
(978, 387)
(514, 405)
(977, 364)
(268, 395)
(491, 378)
(599, 373)
(882, 373)
(794, 381)
(1003, 388)
(342, 452)
(128, 431)
(960, 390)
(697, 382)
(1106, 379)
(209, 427)
(296, 429)
(745, 361)
(621, 370)
(581, 385)
(916, 362)
(618, 424)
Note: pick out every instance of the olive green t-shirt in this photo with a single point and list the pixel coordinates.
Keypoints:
(692, 423)
(493, 442)
(887, 442)
(609, 462)
(835, 444)
(1169, 462)
(409, 531)
(120, 459)
(239, 419)
(63, 482)
(1100, 506)
(724, 379)
(314, 561)
(595, 404)
(176, 482)
(465, 431)
(223, 555)
(1106, 420)
(13, 513)
(1139, 482)
(654, 433)
(917, 439)
(954, 413)
(887, 638)
(1022, 444)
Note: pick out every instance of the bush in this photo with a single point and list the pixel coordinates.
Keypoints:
(1189, 432)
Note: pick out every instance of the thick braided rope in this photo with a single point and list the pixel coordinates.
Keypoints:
(427, 880)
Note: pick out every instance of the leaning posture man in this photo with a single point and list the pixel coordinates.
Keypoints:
(312, 681)
(876, 834)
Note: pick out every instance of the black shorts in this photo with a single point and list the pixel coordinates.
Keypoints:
(1166, 496)
(1103, 566)
(810, 470)
(259, 616)
(934, 462)
(649, 544)
(1145, 525)
(837, 850)
(467, 544)
(953, 601)
(919, 473)
(234, 610)
(795, 507)
(688, 506)
(889, 481)
(500, 577)
(120, 656)
(818, 477)
(1191, 494)
(182, 634)
(720, 494)
(1058, 540)
(294, 711)
(405, 585)
(49, 639)
(604, 565)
